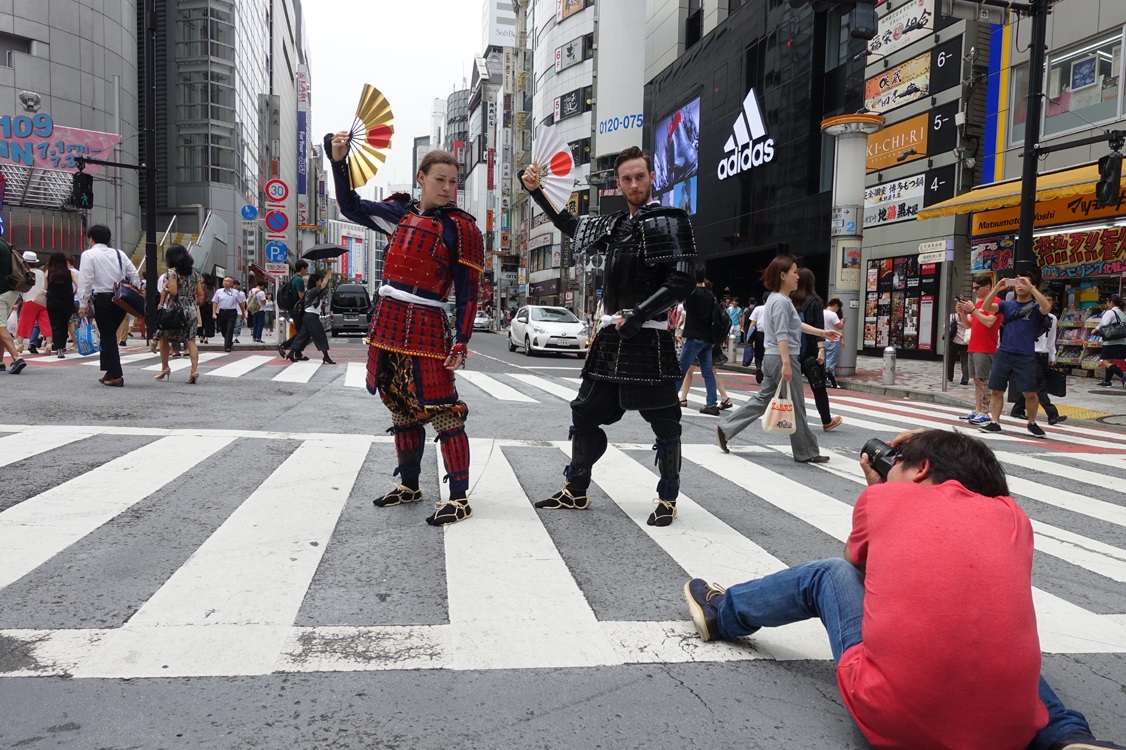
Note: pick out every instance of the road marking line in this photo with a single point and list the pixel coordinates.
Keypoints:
(356, 375)
(508, 583)
(495, 388)
(36, 440)
(229, 609)
(40, 527)
(298, 372)
(555, 389)
(128, 359)
(240, 367)
(185, 363)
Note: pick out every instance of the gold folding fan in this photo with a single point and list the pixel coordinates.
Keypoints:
(369, 141)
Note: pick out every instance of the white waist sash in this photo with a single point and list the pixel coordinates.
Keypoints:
(612, 320)
(386, 290)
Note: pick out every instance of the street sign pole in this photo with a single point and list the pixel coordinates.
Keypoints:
(1025, 261)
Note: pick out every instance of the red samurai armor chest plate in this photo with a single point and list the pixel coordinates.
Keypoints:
(418, 257)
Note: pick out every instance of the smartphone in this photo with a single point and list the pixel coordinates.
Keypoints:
(959, 298)
(1012, 282)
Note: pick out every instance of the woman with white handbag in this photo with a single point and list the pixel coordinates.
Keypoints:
(783, 330)
(1113, 349)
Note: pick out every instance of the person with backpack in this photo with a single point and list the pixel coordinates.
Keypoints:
(1113, 348)
(291, 299)
(256, 309)
(13, 279)
(812, 356)
(700, 308)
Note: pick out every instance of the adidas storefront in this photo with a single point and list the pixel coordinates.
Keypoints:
(736, 139)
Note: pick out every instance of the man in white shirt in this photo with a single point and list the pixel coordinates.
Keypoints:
(226, 308)
(102, 267)
(256, 309)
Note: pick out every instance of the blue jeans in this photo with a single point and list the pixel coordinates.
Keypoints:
(696, 350)
(832, 354)
(259, 324)
(833, 590)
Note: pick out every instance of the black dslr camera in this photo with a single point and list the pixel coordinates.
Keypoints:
(881, 456)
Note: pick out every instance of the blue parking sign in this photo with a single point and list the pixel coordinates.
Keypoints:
(276, 252)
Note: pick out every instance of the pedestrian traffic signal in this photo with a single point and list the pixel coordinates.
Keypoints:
(1110, 180)
(82, 190)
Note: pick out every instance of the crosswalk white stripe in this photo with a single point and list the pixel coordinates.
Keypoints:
(1069, 427)
(509, 585)
(1053, 468)
(40, 527)
(1087, 506)
(544, 384)
(128, 359)
(1064, 627)
(703, 545)
(356, 375)
(811, 409)
(494, 387)
(38, 440)
(1112, 460)
(240, 367)
(298, 372)
(229, 609)
(185, 363)
(1095, 556)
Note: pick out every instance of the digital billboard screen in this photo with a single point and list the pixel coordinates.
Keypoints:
(676, 157)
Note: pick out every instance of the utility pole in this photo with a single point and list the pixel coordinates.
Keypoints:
(149, 163)
(1024, 263)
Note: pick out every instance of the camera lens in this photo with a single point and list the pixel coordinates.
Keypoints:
(881, 456)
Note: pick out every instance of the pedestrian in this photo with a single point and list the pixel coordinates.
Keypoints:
(226, 307)
(182, 287)
(783, 345)
(256, 309)
(102, 267)
(957, 334)
(9, 298)
(812, 355)
(242, 316)
(1113, 350)
(34, 310)
(632, 364)
(676, 320)
(984, 330)
(1015, 361)
(758, 338)
(62, 285)
(297, 311)
(271, 310)
(435, 248)
(697, 347)
(833, 321)
(206, 315)
(939, 553)
(745, 327)
(1045, 360)
(311, 328)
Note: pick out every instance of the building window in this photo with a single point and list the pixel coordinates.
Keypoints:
(1082, 89)
(580, 151)
(694, 23)
(9, 44)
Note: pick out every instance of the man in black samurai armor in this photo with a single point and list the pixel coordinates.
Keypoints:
(434, 247)
(632, 363)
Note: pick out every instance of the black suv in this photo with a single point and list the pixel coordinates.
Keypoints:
(350, 309)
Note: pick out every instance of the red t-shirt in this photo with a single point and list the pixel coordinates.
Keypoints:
(983, 338)
(950, 656)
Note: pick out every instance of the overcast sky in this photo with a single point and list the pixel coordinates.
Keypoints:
(412, 51)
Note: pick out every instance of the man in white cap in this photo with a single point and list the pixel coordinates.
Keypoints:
(34, 305)
(8, 298)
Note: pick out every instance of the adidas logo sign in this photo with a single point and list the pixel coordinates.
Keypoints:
(749, 146)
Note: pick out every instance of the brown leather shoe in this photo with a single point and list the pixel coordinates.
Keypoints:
(102, 379)
(721, 439)
(817, 460)
(115, 382)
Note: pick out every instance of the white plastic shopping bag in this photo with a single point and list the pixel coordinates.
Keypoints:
(778, 419)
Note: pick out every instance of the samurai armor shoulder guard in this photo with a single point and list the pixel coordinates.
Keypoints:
(470, 244)
(665, 234)
(593, 230)
(417, 255)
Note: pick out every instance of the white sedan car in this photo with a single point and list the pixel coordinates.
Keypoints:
(548, 329)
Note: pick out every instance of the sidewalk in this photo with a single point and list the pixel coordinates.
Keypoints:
(921, 380)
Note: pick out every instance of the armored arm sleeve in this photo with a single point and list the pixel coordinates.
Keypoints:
(382, 216)
(678, 285)
(562, 220)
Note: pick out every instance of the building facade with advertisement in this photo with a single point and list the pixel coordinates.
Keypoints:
(925, 74)
(57, 105)
(563, 98)
(734, 125)
(363, 261)
(1080, 248)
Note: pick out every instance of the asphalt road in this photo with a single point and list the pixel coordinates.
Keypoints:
(200, 566)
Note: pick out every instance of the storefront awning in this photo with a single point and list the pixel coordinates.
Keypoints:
(1063, 184)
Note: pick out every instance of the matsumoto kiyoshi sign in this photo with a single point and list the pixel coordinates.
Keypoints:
(749, 145)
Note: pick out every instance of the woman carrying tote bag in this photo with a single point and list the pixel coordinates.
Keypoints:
(1113, 349)
(783, 345)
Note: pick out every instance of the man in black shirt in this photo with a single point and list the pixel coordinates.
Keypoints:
(697, 347)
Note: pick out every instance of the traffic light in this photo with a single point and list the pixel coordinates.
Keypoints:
(82, 190)
(1110, 180)
(862, 19)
